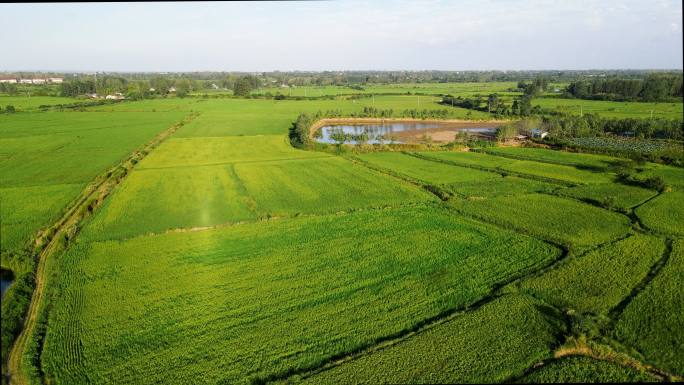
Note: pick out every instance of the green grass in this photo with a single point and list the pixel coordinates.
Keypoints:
(186, 197)
(598, 280)
(506, 186)
(589, 161)
(612, 109)
(549, 217)
(25, 103)
(71, 147)
(152, 201)
(321, 186)
(491, 344)
(653, 322)
(544, 171)
(664, 214)
(426, 171)
(188, 152)
(25, 210)
(255, 300)
(578, 369)
(610, 195)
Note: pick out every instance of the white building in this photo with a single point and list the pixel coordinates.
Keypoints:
(8, 80)
(25, 81)
(172, 89)
(38, 81)
(55, 80)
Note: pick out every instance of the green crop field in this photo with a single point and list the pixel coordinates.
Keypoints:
(257, 300)
(664, 214)
(32, 103)
(541, 170)
(612, 109)
(491, 344)
(611, 195)
(560, 220)
(585, 370)
(426, 171)
(598, 280)
(653, 322)
(227, 255)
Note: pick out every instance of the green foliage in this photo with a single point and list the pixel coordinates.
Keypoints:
(549, 217)
(264, 299)
(598, 280)
(491, 344)
(578, 369)
(653, 321)
(664, 214)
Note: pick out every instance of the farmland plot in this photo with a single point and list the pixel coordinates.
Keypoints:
(664, 214)
(188, 152)
(236, 304)
(506, 186)
(598, 280)
(553, 172)
(653, 321)
(561, 220)
(321, 186)
(578, 369)
(609, 195)
(424, 170)
(492, 344)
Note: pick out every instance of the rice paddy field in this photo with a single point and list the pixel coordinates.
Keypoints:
(227, 256)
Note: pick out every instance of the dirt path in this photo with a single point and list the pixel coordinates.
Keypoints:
(66, 228)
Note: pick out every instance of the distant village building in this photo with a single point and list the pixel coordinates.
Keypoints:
(115, 96)
(93, 96)
(25, 81)
(7, 80)
(152, 90)
(55, 80)
(38, 81)
(172, 89)
(214, 86)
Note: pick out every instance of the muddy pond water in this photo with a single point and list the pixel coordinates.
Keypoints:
(403, 132)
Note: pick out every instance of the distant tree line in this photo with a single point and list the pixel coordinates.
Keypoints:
(653, 88)
(521, 106)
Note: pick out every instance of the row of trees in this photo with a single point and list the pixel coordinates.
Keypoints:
(133, 89)
(590, 125)
(521, 106)
(653, 88)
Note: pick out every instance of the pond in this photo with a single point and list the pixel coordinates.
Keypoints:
(402, 132)
(6, 279)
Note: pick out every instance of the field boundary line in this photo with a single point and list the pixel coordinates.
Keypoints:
(232, 163)
(65, 229)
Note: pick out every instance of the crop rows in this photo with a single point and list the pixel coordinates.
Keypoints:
(258, 300)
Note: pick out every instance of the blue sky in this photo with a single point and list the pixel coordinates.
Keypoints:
(343, 35)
